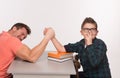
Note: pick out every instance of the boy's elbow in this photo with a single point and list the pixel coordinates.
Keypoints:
(61, 49)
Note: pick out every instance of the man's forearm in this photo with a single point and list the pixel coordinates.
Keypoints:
(37, 51)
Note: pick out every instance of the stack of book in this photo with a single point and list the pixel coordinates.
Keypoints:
(60, 56)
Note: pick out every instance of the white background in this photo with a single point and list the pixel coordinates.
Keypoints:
(66, 16)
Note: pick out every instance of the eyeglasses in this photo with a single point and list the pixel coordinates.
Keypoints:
(89, 29)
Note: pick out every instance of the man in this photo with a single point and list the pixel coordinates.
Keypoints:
(11, 46)
(91, 51)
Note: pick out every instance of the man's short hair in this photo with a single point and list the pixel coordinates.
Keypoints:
(22, 25)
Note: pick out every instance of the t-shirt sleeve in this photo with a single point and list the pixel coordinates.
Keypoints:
(71, 47)
(15, 44)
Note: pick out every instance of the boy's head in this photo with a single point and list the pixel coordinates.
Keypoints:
(89, 27)
(88, 20)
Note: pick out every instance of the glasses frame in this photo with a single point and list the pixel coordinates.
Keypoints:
(89, 29)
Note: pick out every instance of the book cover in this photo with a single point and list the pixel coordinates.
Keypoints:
(59, 60)
(60, 55)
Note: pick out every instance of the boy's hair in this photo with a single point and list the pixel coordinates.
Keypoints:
(22, 25)
(89, 20)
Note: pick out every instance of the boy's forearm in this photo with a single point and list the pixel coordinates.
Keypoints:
(58, 45)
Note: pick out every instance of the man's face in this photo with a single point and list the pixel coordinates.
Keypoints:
(89, 28)
(21, 33)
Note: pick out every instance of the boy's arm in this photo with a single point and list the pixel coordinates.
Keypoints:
(58, 45)
(96, 54)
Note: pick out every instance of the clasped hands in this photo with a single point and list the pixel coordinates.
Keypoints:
(49, 33)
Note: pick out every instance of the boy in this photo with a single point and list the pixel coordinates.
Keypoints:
(91, 51)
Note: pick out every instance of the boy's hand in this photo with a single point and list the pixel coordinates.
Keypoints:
(49, 33)
(88, 38)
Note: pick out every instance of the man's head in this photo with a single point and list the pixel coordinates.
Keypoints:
(20, 31)
(88, 26)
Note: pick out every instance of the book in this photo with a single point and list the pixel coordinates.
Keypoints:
(60, 56)
(59, 60)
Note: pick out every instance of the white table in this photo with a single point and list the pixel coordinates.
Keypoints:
(43, 68)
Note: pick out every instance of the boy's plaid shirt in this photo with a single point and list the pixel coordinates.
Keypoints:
(93, 58)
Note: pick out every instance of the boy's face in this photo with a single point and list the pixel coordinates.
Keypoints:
(89, 30)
